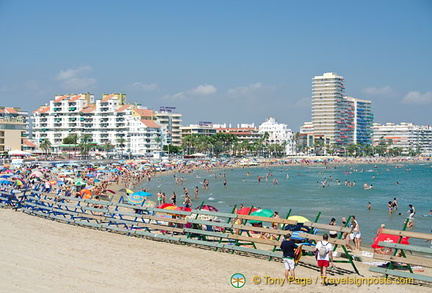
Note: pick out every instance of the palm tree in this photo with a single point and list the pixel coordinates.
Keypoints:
(45, 146)
(72, 139)
(85, 145)
(108, 147)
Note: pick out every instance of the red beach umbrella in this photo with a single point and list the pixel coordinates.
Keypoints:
(166, 205)
(185, 209)
(388, 238)
(208, 208)
(246, 211)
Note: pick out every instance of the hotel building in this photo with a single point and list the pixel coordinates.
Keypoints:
(243, 132)
(408, 136)
(132, 129)
(279, 133)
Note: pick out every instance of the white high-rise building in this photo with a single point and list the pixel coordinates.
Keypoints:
(329, 107)
(278, 134)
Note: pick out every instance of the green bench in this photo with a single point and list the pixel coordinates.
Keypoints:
(423, 257)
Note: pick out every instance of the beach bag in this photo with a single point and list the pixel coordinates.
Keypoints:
(323, 250)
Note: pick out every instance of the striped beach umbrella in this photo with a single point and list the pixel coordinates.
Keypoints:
(135, 199)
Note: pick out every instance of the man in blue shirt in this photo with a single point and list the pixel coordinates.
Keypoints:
(288, 247)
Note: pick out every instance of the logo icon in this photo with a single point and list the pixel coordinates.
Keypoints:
(238, 280)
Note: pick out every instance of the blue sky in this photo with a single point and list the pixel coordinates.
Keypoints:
(220, 61)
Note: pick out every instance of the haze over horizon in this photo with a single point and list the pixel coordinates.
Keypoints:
(223, 61)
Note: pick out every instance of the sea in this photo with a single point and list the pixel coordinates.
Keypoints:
(317, 192)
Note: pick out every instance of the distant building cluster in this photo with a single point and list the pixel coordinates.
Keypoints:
(113, 125)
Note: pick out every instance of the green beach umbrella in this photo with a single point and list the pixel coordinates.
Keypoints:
(261, 213)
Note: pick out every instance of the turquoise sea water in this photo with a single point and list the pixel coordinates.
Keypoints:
(303, 192)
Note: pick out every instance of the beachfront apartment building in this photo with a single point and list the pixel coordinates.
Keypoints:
(202, 129)
(244, 132)
(171, 123)
(338, 119)
(13, 129)
(408, 136)
(278, 133)
(133, 130)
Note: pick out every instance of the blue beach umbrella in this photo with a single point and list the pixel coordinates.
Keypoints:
(141, 193)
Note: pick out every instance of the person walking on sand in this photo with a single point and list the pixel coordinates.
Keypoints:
(324, 255)
(288, 247)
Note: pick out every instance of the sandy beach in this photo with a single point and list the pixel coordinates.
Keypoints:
(40, 255)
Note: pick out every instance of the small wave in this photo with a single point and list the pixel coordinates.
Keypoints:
(211, 198)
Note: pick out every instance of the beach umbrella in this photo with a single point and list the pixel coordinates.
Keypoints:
(129, 191)
(167, 205)
(19, 182)
(79, 183)
(141, 193)
(112, 191)
(149, 204)
(86, 194)
(90, 175)
(388, 238)
(261, 213)
(185, 209)
(5, 176)
(36, 174)
(207, 208)
(299, 219)
(246, 211)
(5, 182)
(135, 199)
